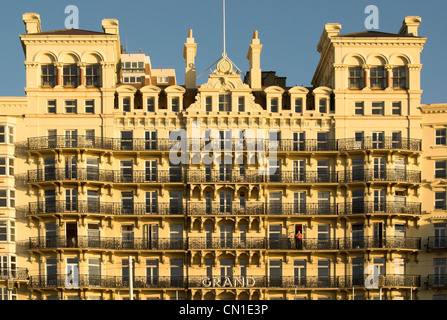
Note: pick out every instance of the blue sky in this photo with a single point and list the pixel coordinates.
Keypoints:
(288, 29)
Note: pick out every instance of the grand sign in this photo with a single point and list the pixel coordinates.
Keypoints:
(225, 282)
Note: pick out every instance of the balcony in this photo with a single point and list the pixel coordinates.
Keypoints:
(100, 175)
(112, 144)
(398, 175)
(17, 274)
(165, 144)
(365, 243)
(385, 143)
(102, 208)
(391, 280)
(437, 281)
(311, 209)
(388, 242)
(371, 207)
(233, 208)
(215, 176)
(115, 282)
(199, 243)
(302, 177)
(103, 243)
(436, 243)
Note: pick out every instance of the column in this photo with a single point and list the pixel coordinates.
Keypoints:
(366, 69)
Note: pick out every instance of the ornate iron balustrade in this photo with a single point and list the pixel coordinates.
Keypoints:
(233, 208)
(86, 142)
(437, 243)
(392, 280)
(387, 242)
(95, 281)
(101, 175)
(106, 243)
(213, 176)
(106, 208)
(365, 175)
(14, 274)
(232, 144)
(304, 244)
(437, 280)
(302, 209)
(302, 177)
(366, 207)
(388, 143)
(228, 243)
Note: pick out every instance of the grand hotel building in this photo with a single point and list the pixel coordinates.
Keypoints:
(87, 182)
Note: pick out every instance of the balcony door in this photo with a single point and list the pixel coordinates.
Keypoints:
(72, 273)
(93, 204)
(323, 171)
(275, 271)
(126, 170)
(275, 236)
(439, 272)
(49, 169)
(176, 236)
(50, 201)
(324, 202)
(358, 274)
(379, 234)
(150, 140)
(71, 172)
(226, 236)
(94, 272)
(358, 171)
(379, 200)
(93, 235)
(275, 203)
(151, 202)
(151, 236)
(93, 169)
(175, 202)
(71, 200)
(126, 140)
(151, 171)
(324, 272)
(299, 171)
(176, 273)
(378, 140)
(71, 138)
(440, 233)
(299, 202)
(380, 169)
(225, 202)
(274, 171)
(299, 273)
(152, 272)
(226, 269)
(71, 234)
(127, 203)
(299, 141)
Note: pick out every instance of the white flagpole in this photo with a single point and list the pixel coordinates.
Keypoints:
(224, 44)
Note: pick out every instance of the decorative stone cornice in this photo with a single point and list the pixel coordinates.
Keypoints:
(31, 64)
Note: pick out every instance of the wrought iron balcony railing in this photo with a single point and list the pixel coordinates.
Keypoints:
(437, 243)
(301, 209)
(391, 280)
(232, 208)
(213, 176)
(232, 144)
(226, 243)
(14, 274)
(101, 175)
(366, 175)
(96, 281)
(437, 280)
(106, 243)
(87, 142)
(106, 208)
(389, 242)
(388, 143)
(367, 207)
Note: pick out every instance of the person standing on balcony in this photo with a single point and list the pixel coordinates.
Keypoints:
(299, 240)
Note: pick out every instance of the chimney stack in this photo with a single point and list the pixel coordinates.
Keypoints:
(410, 26)
(189, 53)
(32, 22)
(254, 58)
(110, 26)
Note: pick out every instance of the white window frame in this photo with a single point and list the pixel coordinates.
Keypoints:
(10, 232)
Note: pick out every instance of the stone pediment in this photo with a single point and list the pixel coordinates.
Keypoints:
(224, 79)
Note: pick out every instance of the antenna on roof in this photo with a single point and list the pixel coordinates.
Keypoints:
(224, 36)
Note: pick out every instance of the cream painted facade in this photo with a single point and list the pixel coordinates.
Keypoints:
(355, 158)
